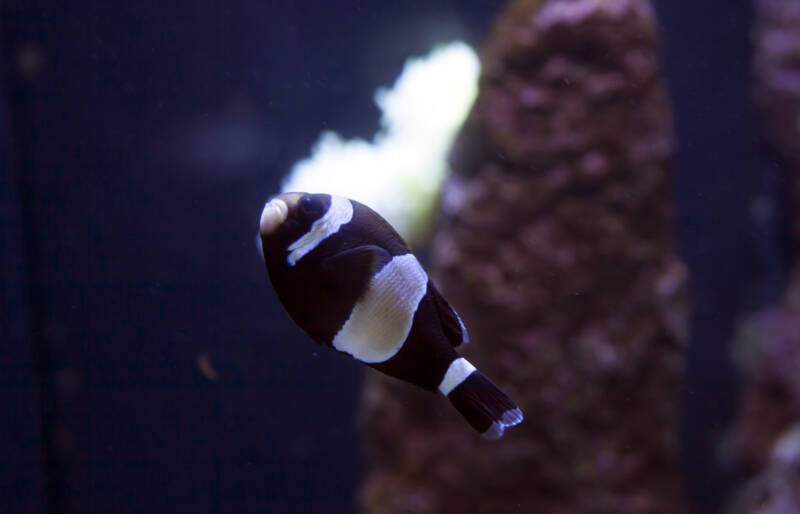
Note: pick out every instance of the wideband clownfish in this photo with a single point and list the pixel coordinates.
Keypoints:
(350, 282)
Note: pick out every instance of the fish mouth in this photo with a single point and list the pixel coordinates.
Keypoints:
(276, 211)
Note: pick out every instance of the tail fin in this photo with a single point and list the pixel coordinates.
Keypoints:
(488, 409)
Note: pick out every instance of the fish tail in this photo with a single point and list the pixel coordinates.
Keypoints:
(484, 405)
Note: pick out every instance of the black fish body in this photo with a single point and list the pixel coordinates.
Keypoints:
(347, 278)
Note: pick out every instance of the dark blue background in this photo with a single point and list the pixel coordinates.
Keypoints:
(732, 223)
(138, 143)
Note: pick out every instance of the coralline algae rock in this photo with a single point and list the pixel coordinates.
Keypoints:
(776, 69)
(556, 247)
(767, 344)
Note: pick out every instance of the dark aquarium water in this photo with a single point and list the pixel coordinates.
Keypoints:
(604, 190)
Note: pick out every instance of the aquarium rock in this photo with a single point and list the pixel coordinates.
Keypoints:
(767, 344)
(556, 246)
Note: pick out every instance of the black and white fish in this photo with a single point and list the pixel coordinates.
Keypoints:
(350, 282)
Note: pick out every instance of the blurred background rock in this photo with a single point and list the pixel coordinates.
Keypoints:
(556, 246)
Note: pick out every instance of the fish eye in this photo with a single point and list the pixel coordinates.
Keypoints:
(310, 205)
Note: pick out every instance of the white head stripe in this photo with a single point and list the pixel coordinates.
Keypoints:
(339, 213)
(457, 372)
(381, 319)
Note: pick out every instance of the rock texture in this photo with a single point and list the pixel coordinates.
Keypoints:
(767, 434)
(556, 247)
(776, 67)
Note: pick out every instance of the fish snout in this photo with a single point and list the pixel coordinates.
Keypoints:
(273, 215)
(276, 211)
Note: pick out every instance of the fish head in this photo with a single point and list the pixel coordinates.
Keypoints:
(289, 216)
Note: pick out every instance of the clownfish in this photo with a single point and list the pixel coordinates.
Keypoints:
(348, 279)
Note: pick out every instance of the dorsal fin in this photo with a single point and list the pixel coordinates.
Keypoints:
(454, 328)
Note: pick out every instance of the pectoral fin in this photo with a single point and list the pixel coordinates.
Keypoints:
(350, 271)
